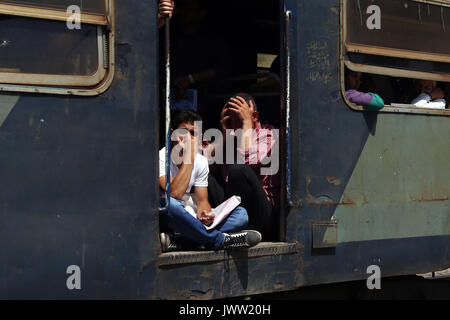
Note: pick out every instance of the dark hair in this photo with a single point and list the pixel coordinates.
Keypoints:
(246, 97)
(184, 116)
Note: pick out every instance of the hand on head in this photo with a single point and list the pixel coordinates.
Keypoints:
(242, 110)
(238, 114)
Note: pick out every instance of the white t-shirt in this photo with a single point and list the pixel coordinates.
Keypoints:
(199, 177)
(425, 100)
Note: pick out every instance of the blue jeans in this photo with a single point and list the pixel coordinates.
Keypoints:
(178, 220)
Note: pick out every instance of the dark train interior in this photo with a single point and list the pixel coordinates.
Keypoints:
(237, 43)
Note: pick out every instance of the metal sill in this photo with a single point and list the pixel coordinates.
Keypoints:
(263, 249)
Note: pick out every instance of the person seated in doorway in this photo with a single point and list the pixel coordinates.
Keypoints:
(189, 169)
(253, 173)
(352, 83)
(428, 95)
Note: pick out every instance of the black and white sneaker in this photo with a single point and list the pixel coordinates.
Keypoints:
(176, 242)
(170, 242)
(243, 239)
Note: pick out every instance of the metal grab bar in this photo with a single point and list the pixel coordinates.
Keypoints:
(168, 139)
(288, 16)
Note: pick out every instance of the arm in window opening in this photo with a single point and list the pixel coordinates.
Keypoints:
(372, 101)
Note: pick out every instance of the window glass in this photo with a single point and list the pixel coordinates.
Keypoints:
(47, 47)
(405, 25)
(400, 63)
(87, 6)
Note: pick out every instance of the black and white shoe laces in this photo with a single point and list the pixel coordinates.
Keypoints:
(244, 239)
(236, 240)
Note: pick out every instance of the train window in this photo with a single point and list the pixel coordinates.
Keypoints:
(92, 11)
(40, 53)
(91, 6)
(37, 47)
(393, 26)
(397, 40)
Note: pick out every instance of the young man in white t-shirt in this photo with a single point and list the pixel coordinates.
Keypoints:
(189, 169)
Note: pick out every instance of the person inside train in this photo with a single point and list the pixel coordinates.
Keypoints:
(352, 84)
(165, 8)
(188, 214)
(256, 178)
(428, 95)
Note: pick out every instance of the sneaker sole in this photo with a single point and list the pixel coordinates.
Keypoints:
(163, 242)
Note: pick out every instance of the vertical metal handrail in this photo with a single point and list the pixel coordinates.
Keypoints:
(167, 103)
(288, 16)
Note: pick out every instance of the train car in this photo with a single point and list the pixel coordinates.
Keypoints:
(82, 117)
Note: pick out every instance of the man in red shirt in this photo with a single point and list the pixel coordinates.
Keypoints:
(251, 166)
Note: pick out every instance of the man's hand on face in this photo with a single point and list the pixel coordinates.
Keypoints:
(206, 218)
(189, 145)
(243, 111)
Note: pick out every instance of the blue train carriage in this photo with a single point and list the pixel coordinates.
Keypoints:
(79, 125)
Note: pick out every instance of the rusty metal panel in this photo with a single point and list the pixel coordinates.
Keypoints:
(324, 234)
(235, 277)
(261, 250)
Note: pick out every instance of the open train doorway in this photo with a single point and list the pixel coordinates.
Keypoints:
(218, 50)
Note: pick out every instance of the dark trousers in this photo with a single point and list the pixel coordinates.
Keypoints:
(243, 182)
